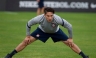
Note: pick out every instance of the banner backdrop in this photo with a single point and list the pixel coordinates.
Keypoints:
(2, 5)
(60, 5)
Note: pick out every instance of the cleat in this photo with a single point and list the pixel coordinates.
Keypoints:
(8, 56)
(86, 57)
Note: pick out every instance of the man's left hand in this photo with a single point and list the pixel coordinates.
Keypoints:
(70, 42)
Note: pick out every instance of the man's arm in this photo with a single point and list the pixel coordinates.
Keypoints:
(64, 23)
(31, 22)
(69, 27)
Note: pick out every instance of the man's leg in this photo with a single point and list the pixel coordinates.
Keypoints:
(76, 49)
(21, 46)
(38, 11)
(42, 10)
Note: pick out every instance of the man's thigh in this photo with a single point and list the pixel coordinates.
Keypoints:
(39, 34)
(59, 36)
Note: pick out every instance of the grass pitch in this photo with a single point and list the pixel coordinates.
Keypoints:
(13, 31)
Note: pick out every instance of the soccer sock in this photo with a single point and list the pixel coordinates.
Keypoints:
(82, 54)
(13, 53)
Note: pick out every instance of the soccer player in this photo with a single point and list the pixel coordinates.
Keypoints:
(48, 27)
(40, 8)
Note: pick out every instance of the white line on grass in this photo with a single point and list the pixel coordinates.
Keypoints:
(14, 13)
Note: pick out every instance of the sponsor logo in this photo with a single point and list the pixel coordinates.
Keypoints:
(28, 4)
(78, 5)
(93, 5)
(53, 4)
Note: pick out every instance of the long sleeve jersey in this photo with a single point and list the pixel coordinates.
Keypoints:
(49, 27)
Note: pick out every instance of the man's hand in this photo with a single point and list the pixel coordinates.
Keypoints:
(27, 39)
(70, 42)
(28, 36)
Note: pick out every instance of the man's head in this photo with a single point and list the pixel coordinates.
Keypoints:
(49, 12)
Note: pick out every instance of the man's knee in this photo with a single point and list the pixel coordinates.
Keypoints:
(28, 41)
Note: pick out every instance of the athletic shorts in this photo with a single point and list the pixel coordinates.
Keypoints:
(58, 36)
(40, 5)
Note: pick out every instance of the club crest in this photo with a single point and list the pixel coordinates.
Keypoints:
(53, 25)
(37, 35)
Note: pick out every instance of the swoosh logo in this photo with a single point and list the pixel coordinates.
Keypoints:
(93, 5)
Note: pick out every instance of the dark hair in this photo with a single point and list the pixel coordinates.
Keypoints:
(49, 9)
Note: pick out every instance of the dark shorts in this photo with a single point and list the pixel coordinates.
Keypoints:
(40, 5)
(58, 36)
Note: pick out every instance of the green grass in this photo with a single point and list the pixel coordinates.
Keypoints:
(13, 31)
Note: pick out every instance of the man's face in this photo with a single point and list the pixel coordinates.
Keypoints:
(49, 16)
